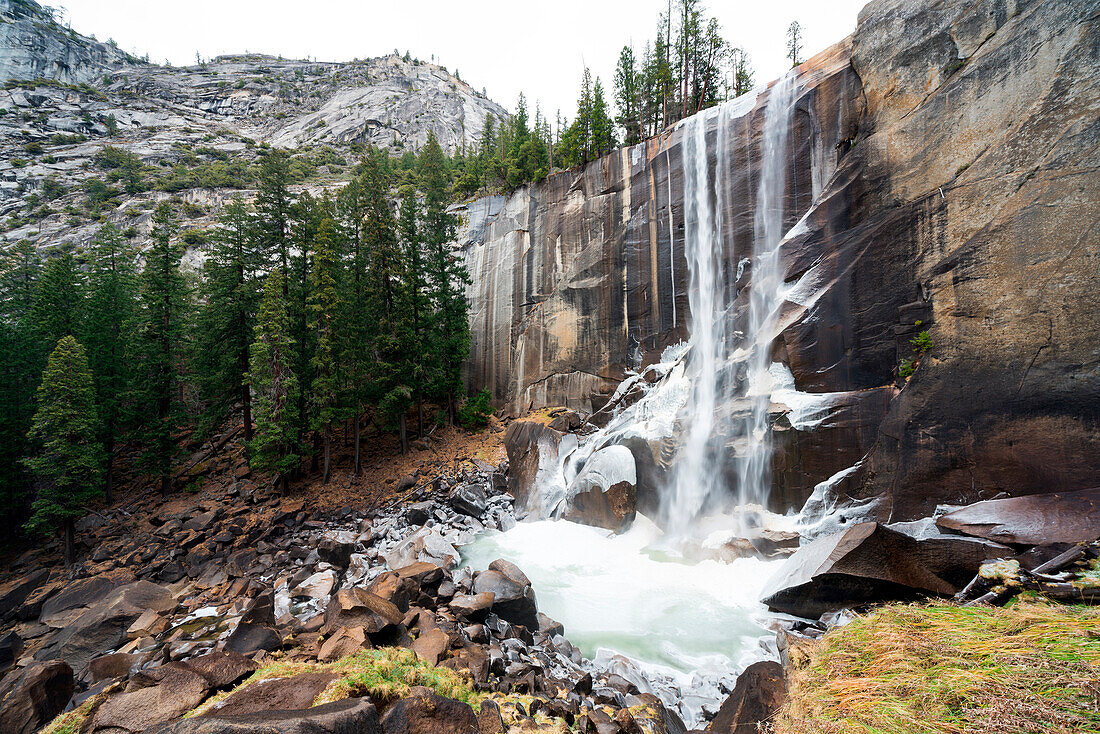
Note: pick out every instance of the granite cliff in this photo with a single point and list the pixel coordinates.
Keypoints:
(942, 178)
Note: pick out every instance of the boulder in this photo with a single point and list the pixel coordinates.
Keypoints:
(426, 712)
(418, 512)
(759, 692)
(14, 593)
(256, 629)
(570, 420)
(469, 499)
(317, 586)
(343, 641)
(426, 545)
(171, 691)
(422, 573)
(274, 694)
(11, 647)
(222, 670)
(1060, 517)
(431, 645)
(865, 563)
(380, 619)
(394, 589)
(336, 549)
(350, 716)
(148, 624)
(604, 494)
(102, 626)
(76, 596)
(30, 698)
(513, 600)
(531, 447)
(474, 607)
(489, 720)
(115, 665)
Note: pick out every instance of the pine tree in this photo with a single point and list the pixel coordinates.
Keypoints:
(67, 463)
(232, 269)
(602, 129)
(108, 332)
(307, 215)
(324, 306)
(22, 358)
(58, 299)
(794, 43)
(446, 277)
(628, 96)
(164, 311)
(353, 338)
(415, 297)
(275, 447)
(274, 204)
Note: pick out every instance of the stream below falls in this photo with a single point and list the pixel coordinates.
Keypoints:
(686, 626)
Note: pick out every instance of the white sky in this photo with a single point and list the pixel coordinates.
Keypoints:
(505, 46)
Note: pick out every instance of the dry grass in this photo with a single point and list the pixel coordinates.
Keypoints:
(946, 669)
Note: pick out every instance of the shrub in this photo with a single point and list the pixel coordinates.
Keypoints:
(474, 413)
(922, 342)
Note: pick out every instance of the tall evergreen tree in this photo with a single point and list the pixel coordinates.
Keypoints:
(415, 297)
(21, 361)
(602, 139)
(324, 306)
(275, 447)
(628, 94)
(58, 299)
(68, 459)
(109, 335)
(446, 277)
(794, 43)
(232, 272)
(274, 205)
(164, 300)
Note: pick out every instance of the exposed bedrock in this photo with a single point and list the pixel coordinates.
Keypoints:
(946, 160)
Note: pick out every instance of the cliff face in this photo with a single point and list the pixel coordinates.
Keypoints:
(34, 46)
(945, 158)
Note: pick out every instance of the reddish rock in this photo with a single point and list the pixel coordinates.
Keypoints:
(31, 698)
(426, 712)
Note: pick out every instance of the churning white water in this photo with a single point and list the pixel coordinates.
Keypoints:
(691, 622)
(688, 624)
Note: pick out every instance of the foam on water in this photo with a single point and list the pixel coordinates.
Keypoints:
(618, 594)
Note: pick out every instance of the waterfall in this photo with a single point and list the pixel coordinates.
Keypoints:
(765, 296)
(699, 479)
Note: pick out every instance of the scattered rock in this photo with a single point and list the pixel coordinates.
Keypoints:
(172, 690)
(274, 694)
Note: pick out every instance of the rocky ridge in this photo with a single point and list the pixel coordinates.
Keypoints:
(66, 97)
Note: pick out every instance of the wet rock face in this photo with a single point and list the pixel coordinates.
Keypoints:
(945, 158)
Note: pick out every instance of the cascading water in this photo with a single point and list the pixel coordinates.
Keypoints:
(765, 296)
(698, 483)
(685, 622)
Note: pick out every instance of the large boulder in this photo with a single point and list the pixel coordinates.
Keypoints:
(604, 494)
(532, 448)
(380, 619)
(274, 694)
(171, 691)
(426, 712)
(222, 670)
(1060, 517)
(759, 692)
(350, 716)
(865, 563)
(425, 545)
(513, 597)
(102, 626)
(30, 698)
(14, 593)
(256, 629)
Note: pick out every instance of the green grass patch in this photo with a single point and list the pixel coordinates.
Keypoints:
(946, 669)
